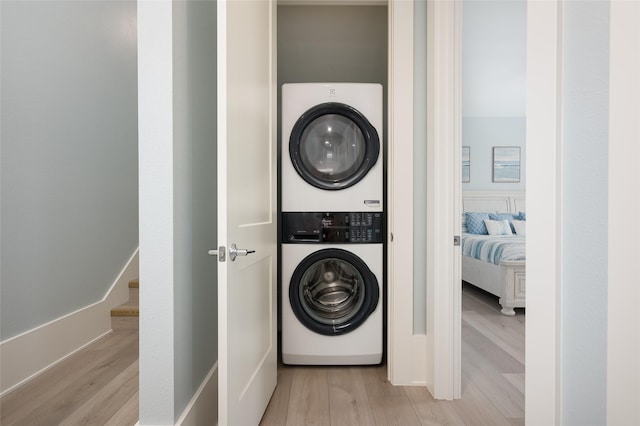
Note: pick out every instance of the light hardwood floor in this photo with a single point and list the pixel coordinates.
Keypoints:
(492, 382)
(96, 386)
(99, 385)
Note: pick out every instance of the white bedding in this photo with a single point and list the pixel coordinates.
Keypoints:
(502, 268)
(493, 248)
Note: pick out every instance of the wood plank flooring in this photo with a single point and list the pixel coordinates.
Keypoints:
(96, 386)
(99, 385)
(492, 382)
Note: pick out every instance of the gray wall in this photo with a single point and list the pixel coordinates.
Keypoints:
(493, 86)
(195, 192)
(332, 44)
(69, 156)
(584, 221)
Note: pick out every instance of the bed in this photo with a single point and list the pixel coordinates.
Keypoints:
(495, 263)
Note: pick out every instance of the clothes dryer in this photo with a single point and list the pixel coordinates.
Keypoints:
(332, 147)
(332, 294)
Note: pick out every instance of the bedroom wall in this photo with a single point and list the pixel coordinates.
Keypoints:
(69, 156)
(493, 87)
(584, 222)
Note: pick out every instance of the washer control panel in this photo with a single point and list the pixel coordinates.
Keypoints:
(333, 227)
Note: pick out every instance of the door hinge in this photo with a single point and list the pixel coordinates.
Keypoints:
(456, 240)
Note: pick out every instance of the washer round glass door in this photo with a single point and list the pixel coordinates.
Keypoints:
(332, 292)
(333, 146)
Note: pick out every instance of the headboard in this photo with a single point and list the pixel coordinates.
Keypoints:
(493, 201)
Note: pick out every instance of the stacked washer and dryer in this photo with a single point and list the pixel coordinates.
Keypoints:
(332, 227)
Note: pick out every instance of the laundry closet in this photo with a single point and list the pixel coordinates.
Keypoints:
(332, 66)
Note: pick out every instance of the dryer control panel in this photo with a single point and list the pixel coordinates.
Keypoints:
(333, 227)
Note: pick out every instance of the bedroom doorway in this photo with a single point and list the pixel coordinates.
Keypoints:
(493, 157)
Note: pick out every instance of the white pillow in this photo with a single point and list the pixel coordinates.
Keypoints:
(519, 226)
(498, 227)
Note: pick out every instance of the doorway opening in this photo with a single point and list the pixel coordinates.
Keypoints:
(493, 165)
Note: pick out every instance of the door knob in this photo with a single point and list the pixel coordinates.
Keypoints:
(235, 251)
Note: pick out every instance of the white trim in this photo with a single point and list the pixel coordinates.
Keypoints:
(623, 327)
(544, 211)
(444, 198)
(25, 356)
(223, 337)
(156, 210)
(406, 351)
(200, 410)
(456, 193)
(119, 291)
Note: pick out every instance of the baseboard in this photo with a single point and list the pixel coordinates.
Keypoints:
(200, 410)
(119, 291)
(29, 354)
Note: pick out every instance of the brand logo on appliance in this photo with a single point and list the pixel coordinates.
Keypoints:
(332, 91)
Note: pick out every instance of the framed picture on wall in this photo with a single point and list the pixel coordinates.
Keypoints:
(466, 164)
(506, 164)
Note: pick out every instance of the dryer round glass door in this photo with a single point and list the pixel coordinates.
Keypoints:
(333, 146)
(332, 292)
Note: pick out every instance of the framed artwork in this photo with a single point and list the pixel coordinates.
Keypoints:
(506, 164)
(466, 164)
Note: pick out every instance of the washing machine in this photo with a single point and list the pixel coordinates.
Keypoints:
(332, 294)
(332, 150)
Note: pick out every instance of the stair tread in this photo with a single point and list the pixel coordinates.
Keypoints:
(130, 308)
(126, 309)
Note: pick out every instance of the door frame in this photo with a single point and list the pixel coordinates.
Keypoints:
(406, 351)
(437, 352)
(431, 359)
(544, 209)
(623, 352)
(444, 197)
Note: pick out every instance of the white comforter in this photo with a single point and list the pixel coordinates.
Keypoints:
(494, 248)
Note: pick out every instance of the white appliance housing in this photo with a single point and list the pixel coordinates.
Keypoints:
(359, 113)
(301, 345)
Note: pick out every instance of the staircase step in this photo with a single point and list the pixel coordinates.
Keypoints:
(126, 310)
(130, 308)
(134, 295)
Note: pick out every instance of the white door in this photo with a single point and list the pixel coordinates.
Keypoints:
(246, 209)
